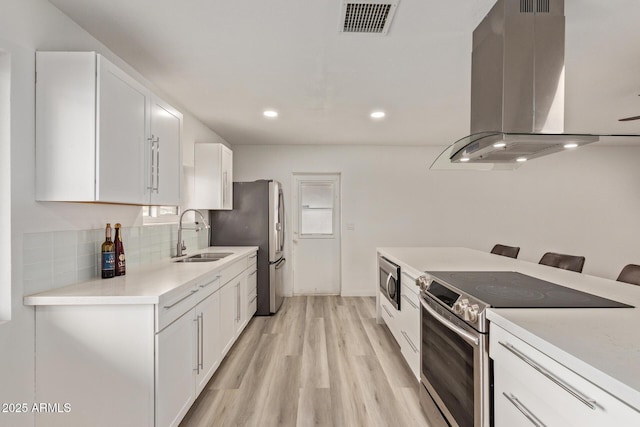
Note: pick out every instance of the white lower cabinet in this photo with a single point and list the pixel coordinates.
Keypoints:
(209, 348)
(228, 315)
(175, 355)
(530, 388)
(139, 365)
(404, 324)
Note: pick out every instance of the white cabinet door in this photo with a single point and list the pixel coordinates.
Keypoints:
(228, 315)
(209, 344)
(164, 164)
(122, 104)
(175, 370)
(213, 182)
(90, 130)
(227, 178)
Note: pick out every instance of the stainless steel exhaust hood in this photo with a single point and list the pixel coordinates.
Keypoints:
(517, 88)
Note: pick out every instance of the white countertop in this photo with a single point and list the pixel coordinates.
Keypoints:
(600, 344)
(142, 284)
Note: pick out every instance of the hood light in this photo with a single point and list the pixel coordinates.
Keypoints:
(499, 145)
(270, 113)
(570, 145)
(464, 159)
(378, 114)
(521, 159)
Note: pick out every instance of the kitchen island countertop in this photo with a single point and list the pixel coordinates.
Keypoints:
(144, 284)
(601, 345)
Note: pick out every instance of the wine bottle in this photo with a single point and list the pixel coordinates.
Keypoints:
(108, 255)
(121, 268)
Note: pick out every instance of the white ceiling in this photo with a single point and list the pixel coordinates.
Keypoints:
(227, 61)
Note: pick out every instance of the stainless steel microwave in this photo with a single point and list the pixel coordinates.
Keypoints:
(389, 280)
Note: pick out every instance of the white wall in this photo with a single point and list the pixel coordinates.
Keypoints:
(584, 202)
(27, 26)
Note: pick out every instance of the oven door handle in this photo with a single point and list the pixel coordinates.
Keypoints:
(468, 337)
(387, 285)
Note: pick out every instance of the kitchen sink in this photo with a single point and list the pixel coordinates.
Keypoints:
(206, 257)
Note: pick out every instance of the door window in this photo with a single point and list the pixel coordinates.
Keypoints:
(316, 209)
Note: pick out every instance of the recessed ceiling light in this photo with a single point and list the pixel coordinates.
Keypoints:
(270, 113)
(378, 114)
(521, 159)
(464, 159)
(570, 145)
(500, 144)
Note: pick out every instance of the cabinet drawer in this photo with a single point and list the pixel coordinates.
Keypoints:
(253, 306)
(409, 282)
(391, 317)
(526, 377)
(252, 260)
(410, 307)
(228, 273)
(176, 303)
(411, 353)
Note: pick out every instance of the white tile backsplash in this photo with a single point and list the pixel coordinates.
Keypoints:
(60, 258)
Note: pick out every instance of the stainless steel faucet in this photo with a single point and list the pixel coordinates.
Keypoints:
(180, 246)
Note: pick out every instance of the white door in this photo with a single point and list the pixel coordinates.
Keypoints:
(316, 234)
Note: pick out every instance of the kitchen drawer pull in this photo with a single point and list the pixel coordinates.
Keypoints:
(253, 299)
(254, 272)
(253, 256)
(209, 283)
(406, 337)
(413, 304)
(591, 403)
(387, 310)
(525, 411)
(181, 299)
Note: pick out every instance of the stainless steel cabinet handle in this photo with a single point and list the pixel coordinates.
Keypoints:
(197, 320)
(253, 256)
(591, 403)
(208, 283)
(238, 302)
(224, 188)
(153, 163)
(406, 337)
(470, 338)
(413, 304)
(387, 310)
(253, 273)
(201, 344)
(253, 299)
(158, 166)
(525, 411)
(181, 299)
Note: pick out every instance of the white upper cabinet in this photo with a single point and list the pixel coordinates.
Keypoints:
(100, 134)
(213, 183)
(165, 159)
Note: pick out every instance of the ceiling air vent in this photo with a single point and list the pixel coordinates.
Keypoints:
(367, 16)
(534, 6)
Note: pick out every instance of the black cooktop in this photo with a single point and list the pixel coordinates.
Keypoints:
(508, 289)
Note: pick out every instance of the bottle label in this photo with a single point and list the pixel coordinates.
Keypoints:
(108, 260)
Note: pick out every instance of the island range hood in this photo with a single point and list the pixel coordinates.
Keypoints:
(517, 88)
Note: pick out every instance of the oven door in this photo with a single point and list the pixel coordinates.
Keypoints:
(389, 281)
(454, 366)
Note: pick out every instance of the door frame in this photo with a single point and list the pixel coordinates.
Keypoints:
(295, 218)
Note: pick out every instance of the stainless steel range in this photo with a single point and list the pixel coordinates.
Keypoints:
(455, 368)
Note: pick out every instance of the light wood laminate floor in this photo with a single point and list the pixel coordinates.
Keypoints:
(320, 361)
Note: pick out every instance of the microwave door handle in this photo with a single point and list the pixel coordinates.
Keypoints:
(470, 338)
(388, 281)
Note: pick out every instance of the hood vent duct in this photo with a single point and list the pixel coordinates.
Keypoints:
(368, 16)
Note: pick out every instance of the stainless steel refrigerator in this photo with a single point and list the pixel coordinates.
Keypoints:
(257, 219)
